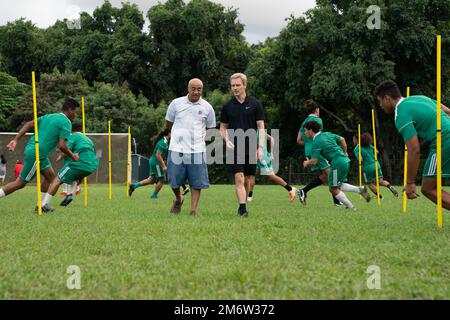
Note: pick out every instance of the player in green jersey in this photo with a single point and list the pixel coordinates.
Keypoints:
(158, 167)
(415, 117)
(322, 168)
(368, 164)
(264, 167)
(54, 130)
(73, 171)
(334, 149)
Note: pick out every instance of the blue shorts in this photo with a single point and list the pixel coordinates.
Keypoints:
(187, 166)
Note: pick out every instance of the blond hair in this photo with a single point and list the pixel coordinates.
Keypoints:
(241, 76)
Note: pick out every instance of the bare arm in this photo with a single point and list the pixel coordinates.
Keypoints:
(27, 126)
(161, 160)
(300, 139)
(65, 149)
(446, 109)
(311, 162)
(413, 145)
(260, 125)
(343, 145)
(224, 134)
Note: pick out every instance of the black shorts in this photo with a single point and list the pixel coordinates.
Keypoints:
(248, 167)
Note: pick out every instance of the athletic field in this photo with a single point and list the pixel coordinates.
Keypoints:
(133, 248)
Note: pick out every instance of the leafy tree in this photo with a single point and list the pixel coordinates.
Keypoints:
(11, 91)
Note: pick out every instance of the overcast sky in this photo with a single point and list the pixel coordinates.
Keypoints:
(262, 18)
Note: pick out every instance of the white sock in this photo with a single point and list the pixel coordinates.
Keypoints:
(48, 197)
(343, 198)
(349, 188)
(65, 187)
(43, 196)
(2, 193)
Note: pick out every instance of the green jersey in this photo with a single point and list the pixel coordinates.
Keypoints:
(416, 116)
(162, 146)
(306, 140)
(84, 147)
(325, 144)
(367, 155)
(51, 128)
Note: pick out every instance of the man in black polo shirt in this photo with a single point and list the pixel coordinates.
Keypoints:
(243, 112)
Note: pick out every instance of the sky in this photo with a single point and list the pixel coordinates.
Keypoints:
(262, 18)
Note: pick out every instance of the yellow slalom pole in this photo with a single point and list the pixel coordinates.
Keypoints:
(405, 168)
(128, 161)
(109, 160)
(439, 136)
(84, 133)
(359, 156)
(36, 145)
(376, 157)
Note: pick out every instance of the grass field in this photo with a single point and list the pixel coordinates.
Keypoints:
(134, 249)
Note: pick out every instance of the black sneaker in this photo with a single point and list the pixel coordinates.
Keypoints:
(47, 208)
(67, 200)
(131, 190)
(243, 214)
(302, 196)
(185, 191)
(394, 192)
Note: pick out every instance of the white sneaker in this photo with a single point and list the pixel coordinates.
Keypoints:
(249, 199)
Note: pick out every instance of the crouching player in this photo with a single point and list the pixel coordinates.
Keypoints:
(73, 171)
(334, 149)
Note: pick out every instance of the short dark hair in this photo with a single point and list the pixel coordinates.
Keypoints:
(311, 105)
(312, 125)
(77, 127)
(366, 140)
(70, 104)
(388, 88)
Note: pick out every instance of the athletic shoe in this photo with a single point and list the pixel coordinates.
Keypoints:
(78, 191)
(353, 208)
(186, 191)
(68, 199)
(131, 190)
(292, 194)
(47, 208)
(243, 214)
(154, 196)
(363, 192)
(302, 196)
(394, 192)
(176, 207)
(338, 204)
(249, 199)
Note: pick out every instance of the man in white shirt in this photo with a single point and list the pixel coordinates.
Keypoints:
(188, 118)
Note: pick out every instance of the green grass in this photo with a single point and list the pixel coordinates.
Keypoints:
(134, 249)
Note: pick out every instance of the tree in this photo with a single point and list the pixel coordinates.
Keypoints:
(199, 39)
(11, 91)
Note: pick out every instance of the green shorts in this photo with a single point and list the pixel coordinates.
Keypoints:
(156, 170)
(430, 168)
(338, 175)
(70, 175)
(321, 165)
(29, 166)
(369, 173)
(265, 167)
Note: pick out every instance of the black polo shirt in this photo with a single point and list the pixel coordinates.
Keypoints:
(242, 115)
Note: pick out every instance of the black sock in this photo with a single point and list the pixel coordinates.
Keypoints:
(242, 208)
(315, 183)
(250, 194)
(183, 186)
(336, 201)
(288, 187)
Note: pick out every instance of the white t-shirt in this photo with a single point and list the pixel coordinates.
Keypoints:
(190, 121)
